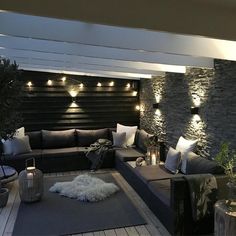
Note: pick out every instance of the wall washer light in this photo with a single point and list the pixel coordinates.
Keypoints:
(111, 83)
(63, 79)
(128, 85)
(135, 93)
(49, 82)
(29, 84)
(81, 85)
(99, 84)
(155, 105)
(137, 108)
(194, 110)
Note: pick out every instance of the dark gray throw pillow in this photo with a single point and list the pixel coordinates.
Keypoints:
(21, 145)
(200, 165)
(35, 139)
(86, 137)
(58, 139)
(142, 138)
(119, 139)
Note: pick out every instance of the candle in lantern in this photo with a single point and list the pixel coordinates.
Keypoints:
(30, 179)
(153, 159)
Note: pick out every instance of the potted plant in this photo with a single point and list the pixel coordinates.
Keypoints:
(226, 158)
(10, 119)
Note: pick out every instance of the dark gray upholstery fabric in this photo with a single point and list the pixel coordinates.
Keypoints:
(35, 138)
(200, 165)
(119, 139)
(142, 137)
(58, 139)
(86, 137)
(153, 172)
(161, 188)
(36, 153)
(60, 152)
(128, 154)
(21, 145)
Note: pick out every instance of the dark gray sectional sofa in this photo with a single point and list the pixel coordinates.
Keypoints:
(56, 151)
(166, 194)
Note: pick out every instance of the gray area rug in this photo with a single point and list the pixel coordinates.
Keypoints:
(57, 215)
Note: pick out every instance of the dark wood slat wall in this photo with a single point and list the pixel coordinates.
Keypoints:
(50, 106)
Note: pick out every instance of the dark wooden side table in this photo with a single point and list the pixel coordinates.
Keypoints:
(225, 220)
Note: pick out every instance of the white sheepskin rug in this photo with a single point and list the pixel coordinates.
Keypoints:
(85, 188)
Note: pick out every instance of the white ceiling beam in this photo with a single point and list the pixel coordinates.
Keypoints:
(117, 37)
(102, 52)
(212, 18)
(72, 60)
(111, 74)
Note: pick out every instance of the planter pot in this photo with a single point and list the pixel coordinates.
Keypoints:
(231, 202)
(4, 193)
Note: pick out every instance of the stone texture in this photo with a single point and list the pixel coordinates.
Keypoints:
(216, 89)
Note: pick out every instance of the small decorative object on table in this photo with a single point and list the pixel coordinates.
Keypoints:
(31, 183)
(152, 155)
(226, 158)
(139, 161)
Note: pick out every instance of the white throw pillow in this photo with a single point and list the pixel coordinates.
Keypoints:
(173, 160)
(7, 144)
(185, 146)
(130, 133)
(21, 145)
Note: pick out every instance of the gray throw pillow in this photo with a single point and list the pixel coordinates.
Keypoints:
(119, 139)
(199, 165)
(173, 160)
(21, 145)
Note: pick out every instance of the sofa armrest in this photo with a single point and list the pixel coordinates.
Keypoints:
(181, 205)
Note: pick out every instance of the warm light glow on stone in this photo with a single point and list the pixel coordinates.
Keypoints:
(73, 93)
(111, 83)
(63, 79)
(137, 107)
(135, 93)
(81, 85)
(99, 84)
(49, 82)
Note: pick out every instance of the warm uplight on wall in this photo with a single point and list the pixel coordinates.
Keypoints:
(29, 84)
(135, 93)
(63, 79)
(81, 85)
(99, 84)
(49, 82)
(137, 107)
(196, 100)
(128, 85)
(111, 83)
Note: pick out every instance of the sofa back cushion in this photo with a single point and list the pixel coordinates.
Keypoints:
(201, 165)
(87, 137)
(35, 139)
(141, 138)
(58, 139)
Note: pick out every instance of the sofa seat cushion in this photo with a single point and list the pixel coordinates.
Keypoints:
(58, 139)
(154, 172)
(60, 152)
(36, 153)
(161, 189)
(128, 154)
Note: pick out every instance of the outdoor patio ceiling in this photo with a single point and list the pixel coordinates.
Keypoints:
(66, 46)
